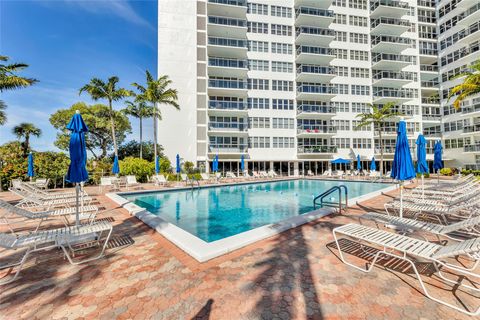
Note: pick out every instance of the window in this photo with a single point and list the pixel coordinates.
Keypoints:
(281, 30)
(340, 18)
(358, 4)
(342, 88)
(283, 142)
(341, 53)
(283, 12)
(281, 48)
(359, 55)
(361, 143)
(340, 36)
(339, 3)
(282, 85)
(257, 27)
(282, 123)
(360, 73)
(259, 142)
(358, 38)
(360, 90)
(258, 46)
(282, 104)
(341, 71)
(258, 84)
(258, 123)
(259, 65)
(341, 143)
(355, 124)
(342, 125)
(358, 21)
(257, 8)
(341, 106)
(360, 107)
(453, 126)
(258, 103)
(281, 66)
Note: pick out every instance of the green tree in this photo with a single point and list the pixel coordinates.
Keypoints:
(3, 115)
(132, 148)
(139, 110)
(97, 118)
(188, 166)
(13, 165)
(157, 92)
(25, 130)
(469, 87)
(98, 89)
(378, 117)
(140, 168)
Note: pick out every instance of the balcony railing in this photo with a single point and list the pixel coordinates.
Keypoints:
(227, 105)
(426, 3)
(389, 3)
(227, 126)
(427, 133)
(428, 68)
(432, 117)
(391, 39)
(312, 128)
(429, 84)
(427, 35)
(428, 52)
(226, 42)
(240, 3)
(306, 68)
(315, 31)
(470, 109)
(391, 21)
(314, 12)
(226, 148)
(471, 148)
(228, 63)
(394, 93)
(392, 130)
(317, 88)
(315, 50)
(311, 108)
(317, 149)
(394, 75)
(232, 22)
(427, 19)
(430, 101)
(227, 84)
(392, 57)
(472, 128)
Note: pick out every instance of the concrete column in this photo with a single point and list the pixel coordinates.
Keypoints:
(295, 169)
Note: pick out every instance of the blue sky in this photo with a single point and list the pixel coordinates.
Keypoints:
(66, 43)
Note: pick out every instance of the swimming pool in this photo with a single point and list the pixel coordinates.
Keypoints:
(216, 213)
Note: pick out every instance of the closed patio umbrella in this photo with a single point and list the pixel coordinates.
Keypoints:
(178, 168)
(422, 166)
(437, 158)
(157, 165)
(116, 167)
(373, 166)
(242, 163)
(77, 173)
(31, 171)
(402, 167)
(359, 164)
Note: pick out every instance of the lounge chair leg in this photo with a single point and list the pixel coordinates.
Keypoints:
(22, 261)
(89, 259)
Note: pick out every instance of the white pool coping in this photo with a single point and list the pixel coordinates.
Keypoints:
(203, 251)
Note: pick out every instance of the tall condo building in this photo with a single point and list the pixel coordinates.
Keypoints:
(281, 82)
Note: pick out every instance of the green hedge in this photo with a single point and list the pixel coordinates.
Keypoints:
(474, 172)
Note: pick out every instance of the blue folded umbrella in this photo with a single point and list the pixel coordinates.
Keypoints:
(422, 166)
(31, 171)
(178, 164)
(373, 166)
(242, 163)
(359, 164)
(116, 167)
(402, 167)
(157, 165)
(437, 156)
(340, 161)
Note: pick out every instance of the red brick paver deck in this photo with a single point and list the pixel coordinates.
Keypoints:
(294, 275)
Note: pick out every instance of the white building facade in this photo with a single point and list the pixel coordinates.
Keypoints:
(280, 82)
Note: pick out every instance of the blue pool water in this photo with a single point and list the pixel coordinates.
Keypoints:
(219, 212)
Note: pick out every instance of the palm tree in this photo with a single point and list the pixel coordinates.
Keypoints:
(469, 87)
(3, 115)
(379, 115)
(157, 92)
(25, 130)
(99, 89)
(139, 110)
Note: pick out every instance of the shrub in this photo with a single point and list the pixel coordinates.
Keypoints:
(188, 167)
(446, 172)
(98, 168)
(474, 172)
(426, 175)
(140, 168)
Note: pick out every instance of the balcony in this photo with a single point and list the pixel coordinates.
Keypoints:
(391, 131)
(431, 118)
(313, 73)
(427, 55)
(388, 8)
(432, 133)
(227, 67)
(227, 87)
(431, 101)
(227, 27)
(314, 110)
(315, 130)
(472, 148)
(227, 128)
(324, 4)
(229, 149)
(471, 110)
(393, 62)
(227, 47)
(428, 72)
(390, 44)
(473, 129)
(471, 15)
(316, 91)
(392, 79)
(230, 108)
(427, 19)
(312, 150)
(314, 36)
(468, 35)
(314, 55)
(430, 4)
(429, 87)
(315, 17)
(427, 36)
(384, 95)
(390, 26)
(227, 8)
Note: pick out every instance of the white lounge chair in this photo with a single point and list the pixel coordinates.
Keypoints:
(263, 174)
(32, 189)
(132, 182)
(310, 173)
(230, 175)
(65, 238)
(41, 183)
(159, 179)
(34, 201)
(327, 173)
(105, 183)
(272, 174)
(184, 178)
(410, 248)
(206, 177)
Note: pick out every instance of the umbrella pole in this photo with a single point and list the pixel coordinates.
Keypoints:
(438, 176)
(401, 199)
(77, 191)
(423, 188)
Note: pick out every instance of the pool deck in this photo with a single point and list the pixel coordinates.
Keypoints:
(293, 275)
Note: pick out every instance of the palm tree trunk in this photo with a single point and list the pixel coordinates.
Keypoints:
(112, 120)
(26, 147)
(381, 151)
(155, 134)
(141, 137)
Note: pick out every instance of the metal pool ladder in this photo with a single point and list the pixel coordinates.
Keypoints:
(319, 200)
